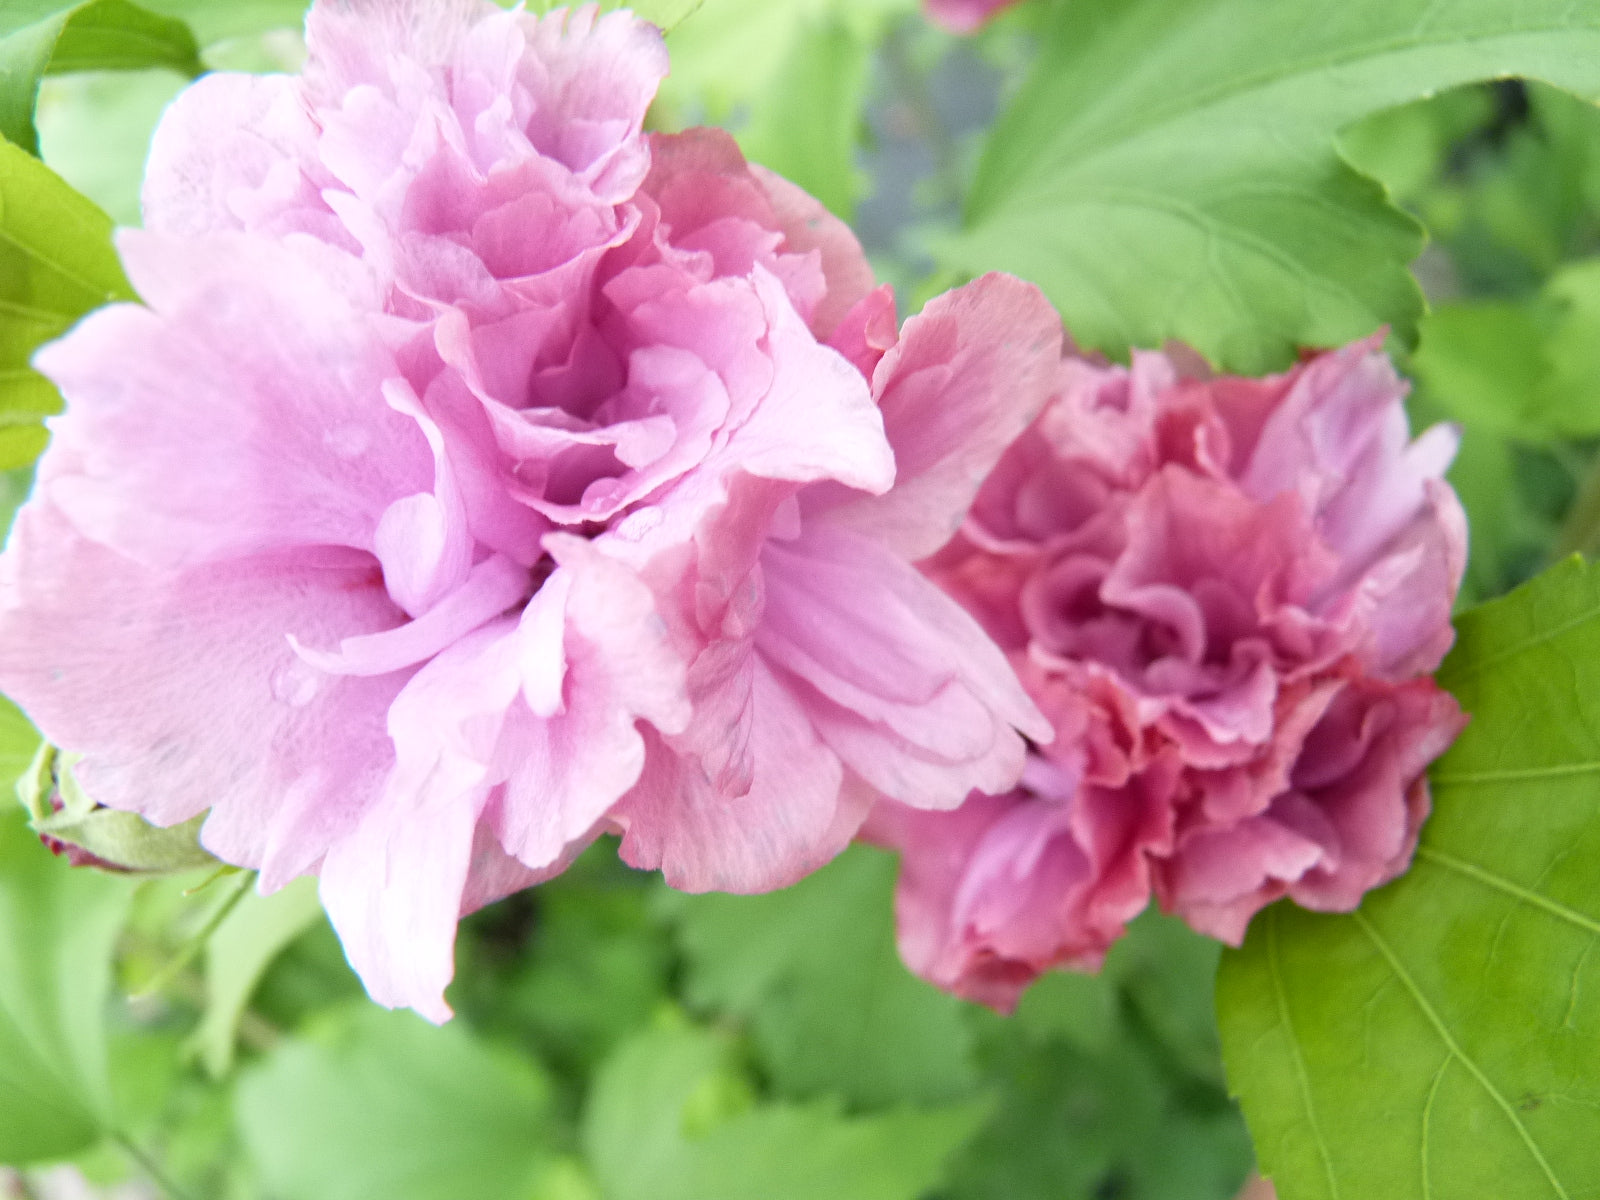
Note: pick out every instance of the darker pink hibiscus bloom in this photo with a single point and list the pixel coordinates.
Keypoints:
(1227, 595)
(481, 474)
(965, 16)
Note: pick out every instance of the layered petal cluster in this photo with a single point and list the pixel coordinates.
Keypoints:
(1227, 595)
(481, 474)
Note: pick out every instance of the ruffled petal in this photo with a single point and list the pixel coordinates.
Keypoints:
(904, 685)
(249, 417)
(966, 377)
(800, 807)
(183, 694)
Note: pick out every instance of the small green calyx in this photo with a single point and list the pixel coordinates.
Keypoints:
(73, 826)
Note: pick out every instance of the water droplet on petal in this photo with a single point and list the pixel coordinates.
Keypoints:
(296, 683)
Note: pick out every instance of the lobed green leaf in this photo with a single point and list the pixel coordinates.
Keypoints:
(1170, 171)
(1444, 1040)
(813, 969)
(383, 1106)
(670, 1118)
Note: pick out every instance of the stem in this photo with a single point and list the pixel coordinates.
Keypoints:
(194, 945)
(1581, 530)
(150, 1167)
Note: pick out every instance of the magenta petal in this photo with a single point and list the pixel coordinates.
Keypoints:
(964, 16)
(590, 80)
(817, 420)
(393, 889)
(809, 227)
(394, 884)
(493, 586)
(1225, 593)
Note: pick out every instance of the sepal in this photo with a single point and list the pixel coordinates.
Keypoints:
(87, 834)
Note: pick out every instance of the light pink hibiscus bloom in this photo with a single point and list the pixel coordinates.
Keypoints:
(481, 474)
(1226, 593)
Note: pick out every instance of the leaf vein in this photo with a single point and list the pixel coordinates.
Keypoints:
(1516, 774)
(1299, 1061)
(1445, 1036)
(1500, 883)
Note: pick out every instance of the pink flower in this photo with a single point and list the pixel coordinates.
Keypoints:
(481, 474)
(965, 16)
(1226, 594)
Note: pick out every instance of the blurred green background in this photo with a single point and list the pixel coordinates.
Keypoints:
(616, 1041)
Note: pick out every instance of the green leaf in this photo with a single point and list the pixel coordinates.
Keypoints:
(1444, 1040)
(57, 927)
(1527, 369)
(114, 35)
(1110, 1084)
(1568, 400)
(1080, 1123)
(1169, 170)
(218, 20)
(383, 1106)
(788, 77)
(1405, 147)
(1519, 376)
(594, 971)
(813, 969)
(37, 36)
(808, 129)
(61, 810)
(670, 1118)
(24, 57)
(19, 742)
(1483, 361)
(238, 955)
(56, 263)
(728, 54)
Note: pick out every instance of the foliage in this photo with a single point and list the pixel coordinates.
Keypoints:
(37, 36)
(56, 263)
(57, 927)
(790, 962)
(380, 1105)
(1169, 169)
(1440, 1040)
(671, 1118)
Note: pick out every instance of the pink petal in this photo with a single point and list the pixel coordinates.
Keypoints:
(394, 884)
(181, 689)
(569, 758)
(248, 419)
(235, 152)
(967, 376)
(808, 226)
(909, 691)
(799, 811)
